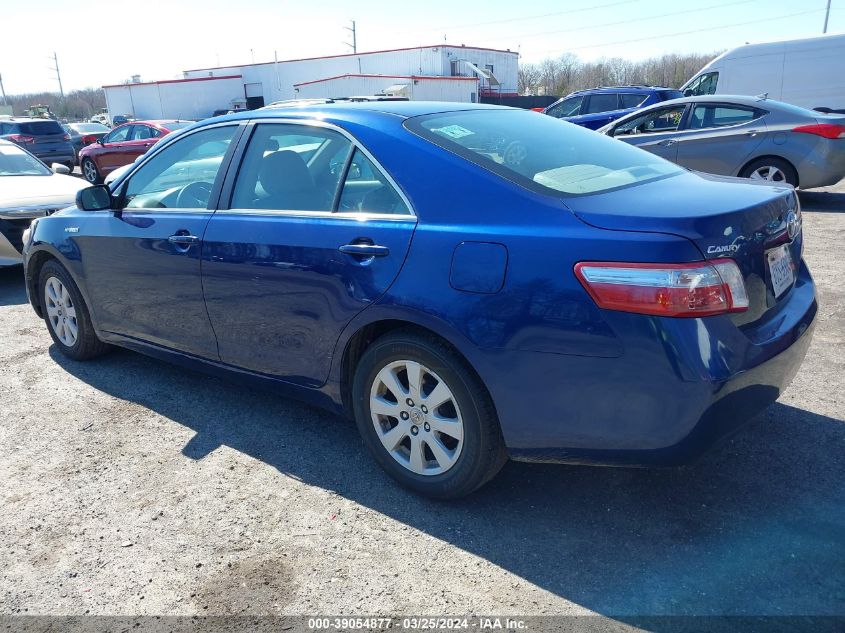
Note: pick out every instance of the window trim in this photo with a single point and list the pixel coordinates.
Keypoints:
(118, 187)
(760, 112)
(237, 160)
(682, 123)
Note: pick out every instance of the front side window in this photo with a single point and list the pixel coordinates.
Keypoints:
(540, 153)
(662, 120)
(119, 135)
(567, 107)
(709, 116)
(291, 168)
(703, 85)
(602, 103)
(182, 175)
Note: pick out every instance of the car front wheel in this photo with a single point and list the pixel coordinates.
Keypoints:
(425, 416)
(90, 172)
(66, 314)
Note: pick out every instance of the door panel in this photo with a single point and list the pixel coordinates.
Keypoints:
(144, 286)
(279, 291)
(663, 144)
(142, 263)
(719, 149)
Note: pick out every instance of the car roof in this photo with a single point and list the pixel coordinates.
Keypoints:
(625, 88)
(25, 119)
(402, 109)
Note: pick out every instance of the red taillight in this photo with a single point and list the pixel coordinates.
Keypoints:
(90, 138)
(66, 137)
(21, 138)
(673, 290)
(827, 130)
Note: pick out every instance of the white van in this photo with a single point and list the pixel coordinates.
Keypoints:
(806, 72)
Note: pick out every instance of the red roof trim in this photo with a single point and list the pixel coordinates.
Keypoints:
(423, 77)
(389, 50)
(173, 81)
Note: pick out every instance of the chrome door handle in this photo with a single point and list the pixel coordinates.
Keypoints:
(364, 250)
(668, 142)
(183, 239)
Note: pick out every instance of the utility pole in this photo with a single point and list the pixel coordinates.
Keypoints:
(826, 17)
(354, 44)
(3, 91)
(58, 74)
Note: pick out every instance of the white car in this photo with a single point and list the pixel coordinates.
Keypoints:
(29, 189)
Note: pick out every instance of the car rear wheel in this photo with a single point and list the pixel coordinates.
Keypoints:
(772, 170)
(426, 417)
(90, 172)
(66, 314)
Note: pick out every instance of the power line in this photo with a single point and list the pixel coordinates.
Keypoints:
(694, 32)
(622, 22)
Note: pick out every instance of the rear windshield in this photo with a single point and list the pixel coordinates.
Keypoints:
(540, 152)
(16, 162)
(40, 128)
(89, 128)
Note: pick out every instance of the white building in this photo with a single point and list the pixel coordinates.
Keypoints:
(442, 73)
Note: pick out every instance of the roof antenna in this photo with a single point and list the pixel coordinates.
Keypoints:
(762, 97)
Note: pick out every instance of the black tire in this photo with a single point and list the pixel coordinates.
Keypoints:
(790, 175)
(90, 171)
(483, 451)
(87, 345)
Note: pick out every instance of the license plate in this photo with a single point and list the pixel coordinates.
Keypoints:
(780, 269)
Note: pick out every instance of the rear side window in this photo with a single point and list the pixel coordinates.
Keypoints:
(40, 128)
(367, 190)
(708, 116)
(631, 100)
(291, 168)
(540, 153)
(666, 95)
(602, 103)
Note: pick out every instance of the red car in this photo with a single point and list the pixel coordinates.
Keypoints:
(122, 146)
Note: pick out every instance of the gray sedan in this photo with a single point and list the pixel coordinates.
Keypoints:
(751, 137)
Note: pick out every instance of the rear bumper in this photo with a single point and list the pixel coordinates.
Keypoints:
(55, 155)
(824, 166)
(9, 255)
(680, 386)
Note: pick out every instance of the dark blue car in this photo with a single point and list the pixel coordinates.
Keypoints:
(469, 283)
(597, 107)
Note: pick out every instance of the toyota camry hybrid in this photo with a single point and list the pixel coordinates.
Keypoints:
(469, 283)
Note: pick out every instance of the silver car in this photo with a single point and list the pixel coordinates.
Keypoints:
(751, 137)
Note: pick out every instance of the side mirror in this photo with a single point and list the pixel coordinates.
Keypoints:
(58, 168)
(102, 140)
(96, 198)
(688, 92)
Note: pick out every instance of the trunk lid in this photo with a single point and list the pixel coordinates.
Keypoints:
(724, 217)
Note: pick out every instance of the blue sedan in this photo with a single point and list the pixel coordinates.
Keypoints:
(468, 283)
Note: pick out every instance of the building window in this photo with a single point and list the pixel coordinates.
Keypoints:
(488, 68)
(455, 68)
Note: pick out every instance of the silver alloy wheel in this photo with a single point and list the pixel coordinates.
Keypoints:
(416, 417)
(90, 170)
(61, 311)
(767, 172)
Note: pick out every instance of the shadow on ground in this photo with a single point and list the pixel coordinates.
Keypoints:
(12, 289)
(757, 527)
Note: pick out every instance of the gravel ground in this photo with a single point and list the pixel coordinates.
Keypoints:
(132, 487)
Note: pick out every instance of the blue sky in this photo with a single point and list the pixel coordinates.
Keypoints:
(159, 39)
